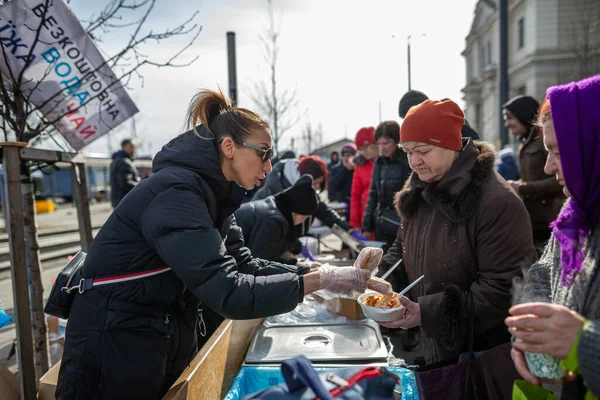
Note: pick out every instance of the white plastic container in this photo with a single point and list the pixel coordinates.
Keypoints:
(379, 314)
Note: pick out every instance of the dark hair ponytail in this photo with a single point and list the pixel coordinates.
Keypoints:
(215, 112)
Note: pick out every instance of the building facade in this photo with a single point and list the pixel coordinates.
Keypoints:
(549, 42)
(325, 151)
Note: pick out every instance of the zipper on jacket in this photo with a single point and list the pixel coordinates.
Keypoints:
(201, 323)
(167, 321)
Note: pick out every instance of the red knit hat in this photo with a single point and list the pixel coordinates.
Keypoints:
(434, 122)
(365, 136)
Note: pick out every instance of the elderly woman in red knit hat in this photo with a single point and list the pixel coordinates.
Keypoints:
(365, 143)
(464, 228)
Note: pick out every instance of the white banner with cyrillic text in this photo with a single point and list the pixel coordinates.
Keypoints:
(64, 76)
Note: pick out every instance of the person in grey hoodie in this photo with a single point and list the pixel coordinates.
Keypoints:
(559, 314)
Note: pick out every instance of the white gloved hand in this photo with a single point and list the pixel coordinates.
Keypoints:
(343, 280)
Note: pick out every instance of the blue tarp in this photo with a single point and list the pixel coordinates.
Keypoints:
(253, 379)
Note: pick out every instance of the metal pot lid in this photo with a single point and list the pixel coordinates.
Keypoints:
(324, 343)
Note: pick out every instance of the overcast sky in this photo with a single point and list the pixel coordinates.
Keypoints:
(343, 58)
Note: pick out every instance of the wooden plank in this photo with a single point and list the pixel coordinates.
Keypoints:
(12, 175)
(211, 373)
(13, 144)
(241, 335)
(47, 155)
(82, 202)
(208, 366)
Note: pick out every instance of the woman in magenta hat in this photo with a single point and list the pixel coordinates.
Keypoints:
(557, 325)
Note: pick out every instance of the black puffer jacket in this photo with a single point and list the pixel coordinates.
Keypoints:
(340, 184)
(276, 182)
(389, 176)
(268, 231)
(133, 339)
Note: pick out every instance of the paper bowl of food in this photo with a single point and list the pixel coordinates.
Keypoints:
(380, 307)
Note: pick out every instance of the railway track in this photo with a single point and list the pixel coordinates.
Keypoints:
(54, 245)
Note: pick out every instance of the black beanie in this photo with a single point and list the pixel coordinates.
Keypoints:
(524, 108)
(301, 198)
(410, 99)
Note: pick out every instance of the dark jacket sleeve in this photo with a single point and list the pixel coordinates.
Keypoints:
(126, 175)
(398, 278)
(251, 263)
(368, 222)
(543, 188)
(177, 224)
(329, 217)
(504, 248)
(269, 239)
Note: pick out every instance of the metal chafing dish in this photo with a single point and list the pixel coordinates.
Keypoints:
(342, 343)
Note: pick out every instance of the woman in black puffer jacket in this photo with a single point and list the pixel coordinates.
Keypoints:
(389, 174)
(132, 339)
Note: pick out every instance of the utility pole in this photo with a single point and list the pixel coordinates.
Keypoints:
(503, 73)
(231, 62)
(408, 60)
(380, 111)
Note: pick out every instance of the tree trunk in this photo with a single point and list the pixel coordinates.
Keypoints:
(36, 289)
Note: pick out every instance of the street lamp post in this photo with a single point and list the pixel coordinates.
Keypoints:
(408, 61)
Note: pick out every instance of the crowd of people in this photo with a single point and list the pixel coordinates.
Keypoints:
(510, 243)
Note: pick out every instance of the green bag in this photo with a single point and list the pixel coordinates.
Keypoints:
(523, 390)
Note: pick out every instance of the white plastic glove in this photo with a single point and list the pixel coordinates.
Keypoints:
(343, 280)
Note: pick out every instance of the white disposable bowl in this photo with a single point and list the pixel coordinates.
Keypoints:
(379, 314)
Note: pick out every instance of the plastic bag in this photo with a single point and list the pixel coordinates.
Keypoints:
(310, 311)
(253, 379)
(5, 319)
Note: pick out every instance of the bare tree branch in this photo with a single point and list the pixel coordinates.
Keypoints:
(128, 61)
(276, 104)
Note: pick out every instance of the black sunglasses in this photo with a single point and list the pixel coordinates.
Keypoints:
(266, 155)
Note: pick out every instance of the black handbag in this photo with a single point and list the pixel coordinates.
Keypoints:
(388, 222)
(487, 375)
(70, 281)
(63, 291)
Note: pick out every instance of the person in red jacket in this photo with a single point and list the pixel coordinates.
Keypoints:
(365, 142)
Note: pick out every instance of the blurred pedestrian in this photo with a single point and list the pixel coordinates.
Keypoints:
(540, 192)
(123, 173)
(389, 175)
(463, 227)
(559, 314)
(334, 162)
(507, 166)
(361, 181)
(340, 179)
(334, 159)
